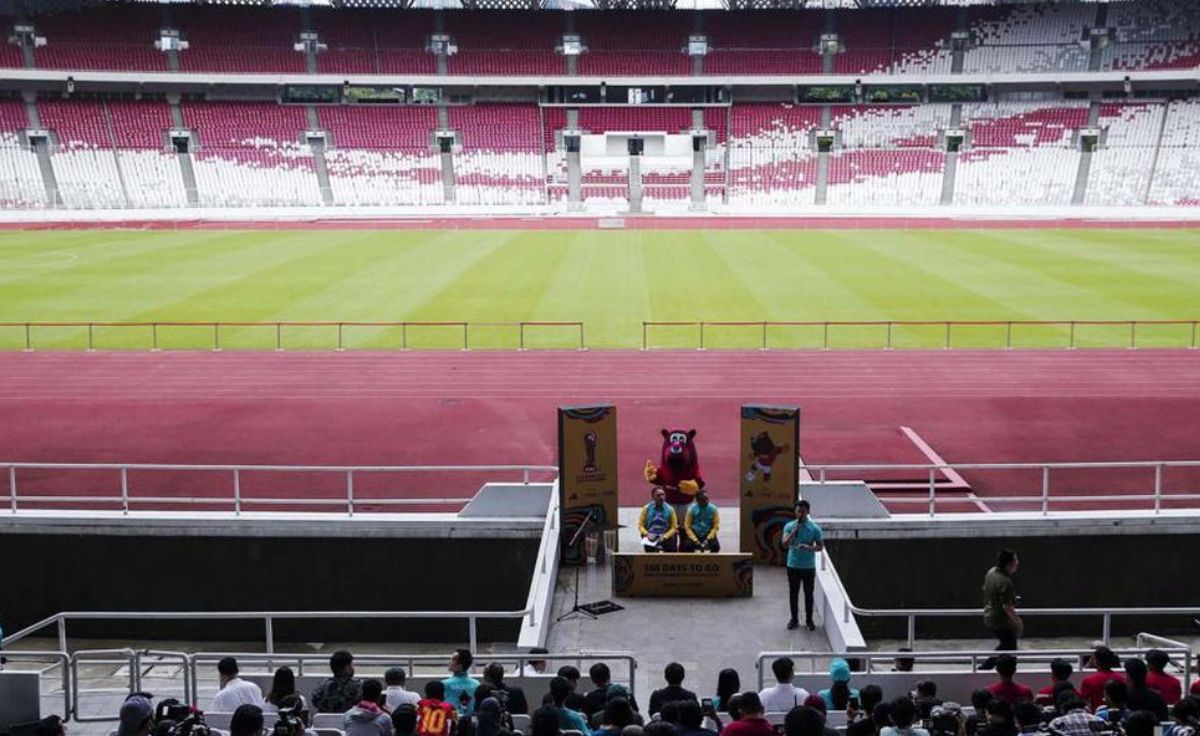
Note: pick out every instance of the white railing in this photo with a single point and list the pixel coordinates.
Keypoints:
(910, 615)
(124, 499)
(931, 477)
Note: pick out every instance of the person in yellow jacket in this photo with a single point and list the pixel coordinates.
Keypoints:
(701, 525)
(658, 524)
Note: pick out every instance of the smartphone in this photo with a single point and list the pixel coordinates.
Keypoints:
(852, 703)
(706, 703)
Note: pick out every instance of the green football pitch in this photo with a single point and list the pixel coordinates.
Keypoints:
(610, 281)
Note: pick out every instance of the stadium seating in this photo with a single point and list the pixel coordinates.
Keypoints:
(633, 119)
(1024, 123)
(1037, 37)
(245, 124)
(514, 42)
(782, 125)
(890, 126)
(1027, 176)
(21, 185)
(500, 161)
(385, 177)
(239, 39)
(881, 177)
(116, 36)
(397, 126)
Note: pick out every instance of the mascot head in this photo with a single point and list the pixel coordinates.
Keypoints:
(677, 450)
(761, 444)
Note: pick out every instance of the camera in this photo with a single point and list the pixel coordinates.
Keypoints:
(291, 721)
(178, 719)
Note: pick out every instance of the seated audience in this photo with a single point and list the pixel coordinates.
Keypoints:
(576, 700)
(50, 726)
(404, 720)
(903, 714)
(673, 674)
(1116, 702)
(395, 694)
(601, 678)
(1092, 686)
(859, 719)
(535, 667)
(247, 721)
(234, 690)
(1007, 689)
(1140, 723)
(804, 721)
(544, 722)
(978, 719)
(489, 719)
(1142, 697)
(1000, 720)
(338, 693)
(691, 720)
(435, 717)
(729, 683)
(460, 686)
(568, 719)
(751, 721)
(367, 717)
(1028, 717)
(838, 695)
(660, 728)
(283, 686)
(617, 714)
(1168, 686)
(1060, 673)
(136, 717)
(925, 698)
(782, 697)
(1073, 717)
(510, 697)
(1187, 718)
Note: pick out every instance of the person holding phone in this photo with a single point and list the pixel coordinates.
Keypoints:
(802, 538)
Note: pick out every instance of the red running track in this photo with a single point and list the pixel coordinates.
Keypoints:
(498, 407)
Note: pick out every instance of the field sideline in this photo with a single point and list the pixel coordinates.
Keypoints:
(610, 280)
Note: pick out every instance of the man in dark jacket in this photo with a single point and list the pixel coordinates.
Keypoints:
(341, 692)
(510, 698)
(674, 674)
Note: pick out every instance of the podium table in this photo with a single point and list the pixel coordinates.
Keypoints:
(683, 575)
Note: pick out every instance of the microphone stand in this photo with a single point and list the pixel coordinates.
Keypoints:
(577, 610)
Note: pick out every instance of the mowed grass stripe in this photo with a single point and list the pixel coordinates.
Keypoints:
(611, 280)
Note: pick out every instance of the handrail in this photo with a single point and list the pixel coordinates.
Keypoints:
(928, 485)
(888, 341)
(237, 499)
(63, 660)
(462, 328)
(966, 656)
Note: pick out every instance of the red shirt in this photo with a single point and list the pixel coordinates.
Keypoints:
(1010, 691)
(749, 726)
(1169, 687)
(1092, 687)
(1196, 688)
(434, 717)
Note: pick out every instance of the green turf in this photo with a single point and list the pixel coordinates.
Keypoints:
(610, 280)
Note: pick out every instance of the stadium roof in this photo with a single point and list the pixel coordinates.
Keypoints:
(542, 4)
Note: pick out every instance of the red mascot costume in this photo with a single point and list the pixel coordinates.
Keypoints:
(678, 471)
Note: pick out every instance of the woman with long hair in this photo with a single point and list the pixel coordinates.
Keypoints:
(728, 685)
(282, 685)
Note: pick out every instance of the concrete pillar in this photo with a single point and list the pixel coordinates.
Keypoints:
(635, 184)
(697, 181)
(948, 176)
(448, 177)
(822, 177)
(574, 181)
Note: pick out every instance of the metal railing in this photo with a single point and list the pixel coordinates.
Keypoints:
(910, 615)
(929, 476)
(236, 500)
(971, 659)
(61, 661)
(296, 334)
(892, 334)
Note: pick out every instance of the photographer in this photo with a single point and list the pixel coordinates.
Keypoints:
(511, 698)
(947, 720)
(293, 718)
(1029, 718)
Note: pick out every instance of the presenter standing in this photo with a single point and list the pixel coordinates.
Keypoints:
(802, 539)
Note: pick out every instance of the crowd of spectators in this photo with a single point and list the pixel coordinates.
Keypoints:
(1134, 698)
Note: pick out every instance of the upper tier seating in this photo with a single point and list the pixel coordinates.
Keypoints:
(224, 38)
(632, 119)
(505, 42)
(1038, 37)
(368, 42)
(106, 37)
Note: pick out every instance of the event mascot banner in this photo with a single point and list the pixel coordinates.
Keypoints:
(770, 458)
(587, 473)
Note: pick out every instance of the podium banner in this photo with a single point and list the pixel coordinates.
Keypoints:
(683, 575)
(587, 473)
(770, 458)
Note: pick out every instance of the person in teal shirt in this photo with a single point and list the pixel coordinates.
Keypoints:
(701, 524)
(460, 686)
(802, 539)
(568, 720)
